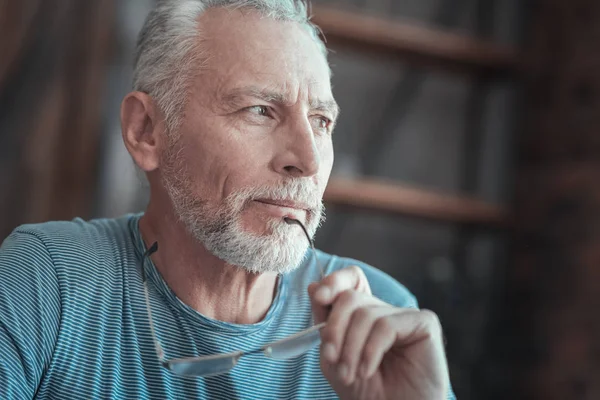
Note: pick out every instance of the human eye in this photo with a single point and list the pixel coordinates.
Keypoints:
(322, 123)
(261, 111)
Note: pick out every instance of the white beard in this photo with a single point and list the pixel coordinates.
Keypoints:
(280, 249)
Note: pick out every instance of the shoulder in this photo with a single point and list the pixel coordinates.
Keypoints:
(69, 251)
(383, 286)
(22, 254)
(56, 234)
(65, 239)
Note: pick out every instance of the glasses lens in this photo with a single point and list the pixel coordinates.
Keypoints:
(295, 345)
(203, 366)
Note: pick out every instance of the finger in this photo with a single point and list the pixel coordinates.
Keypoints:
(324, 293)
(345, 279)
(407, 330)
(333, 334)
(329, 369)
(320, 312)
(361, 324)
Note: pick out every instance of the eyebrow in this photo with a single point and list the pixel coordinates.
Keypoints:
(270, 96)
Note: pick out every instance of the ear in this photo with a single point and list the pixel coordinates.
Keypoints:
(143, 130)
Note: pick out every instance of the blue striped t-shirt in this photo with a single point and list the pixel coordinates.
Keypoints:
(73, 322)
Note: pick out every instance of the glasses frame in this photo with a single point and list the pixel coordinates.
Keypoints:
(210, 365)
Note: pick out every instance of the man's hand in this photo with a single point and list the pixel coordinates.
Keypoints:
(372, 350)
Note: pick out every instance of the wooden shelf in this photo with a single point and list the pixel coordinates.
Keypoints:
(413, 42)
(376, 195)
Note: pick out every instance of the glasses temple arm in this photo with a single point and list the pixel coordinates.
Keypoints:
(157, 346)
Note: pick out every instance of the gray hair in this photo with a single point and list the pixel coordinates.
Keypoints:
(168, 53)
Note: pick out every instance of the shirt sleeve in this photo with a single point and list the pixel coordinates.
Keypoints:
(29, 314)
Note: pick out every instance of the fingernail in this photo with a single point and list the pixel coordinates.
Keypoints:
(323, 294)
(330, 353)
(343, 372)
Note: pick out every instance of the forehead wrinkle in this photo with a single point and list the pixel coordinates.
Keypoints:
(277, 97)
(267, 95)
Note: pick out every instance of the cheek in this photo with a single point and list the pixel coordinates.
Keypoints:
(202, 170)
(327, 157)
(326, 166)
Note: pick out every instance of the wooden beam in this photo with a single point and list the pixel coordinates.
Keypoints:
(382, 196)
(413, 42)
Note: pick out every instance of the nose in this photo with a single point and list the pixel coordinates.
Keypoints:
(299, 155)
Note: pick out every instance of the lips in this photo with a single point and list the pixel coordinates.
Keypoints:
(286, 204)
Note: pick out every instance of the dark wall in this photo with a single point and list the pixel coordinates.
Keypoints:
(555, 279)
(52, 67)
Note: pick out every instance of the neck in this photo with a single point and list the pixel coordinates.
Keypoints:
(202, 281)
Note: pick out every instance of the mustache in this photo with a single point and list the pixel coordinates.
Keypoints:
(302, 191)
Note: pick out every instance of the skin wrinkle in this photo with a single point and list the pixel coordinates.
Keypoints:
(222, 157)
(237, 96)
(155, 65)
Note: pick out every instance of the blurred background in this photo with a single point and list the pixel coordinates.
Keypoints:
(466, 161)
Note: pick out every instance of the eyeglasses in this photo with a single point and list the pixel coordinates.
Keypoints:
(286, 348)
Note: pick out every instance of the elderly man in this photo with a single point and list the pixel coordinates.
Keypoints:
(212, 292)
